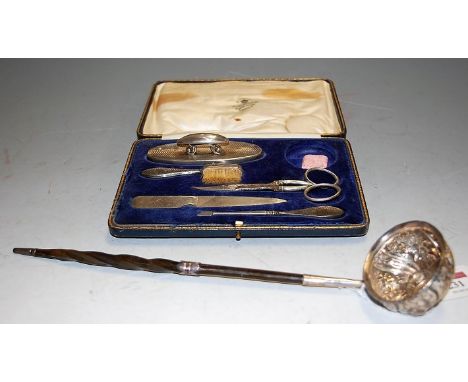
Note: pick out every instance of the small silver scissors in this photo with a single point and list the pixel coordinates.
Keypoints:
(307, 185)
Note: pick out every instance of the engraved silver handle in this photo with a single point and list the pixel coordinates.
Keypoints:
(237, 213)
(311, 212)
(165, 172)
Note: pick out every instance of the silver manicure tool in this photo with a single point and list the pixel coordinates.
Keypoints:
(312, 212)
(177, 201)
(307, 185)
(204, 148)
(166, 172)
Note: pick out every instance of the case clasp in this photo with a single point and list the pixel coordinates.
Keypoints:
(238, 224)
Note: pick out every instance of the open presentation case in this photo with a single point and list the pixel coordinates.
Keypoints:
(292, 121)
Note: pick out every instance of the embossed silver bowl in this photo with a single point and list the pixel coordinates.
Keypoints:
(409, 269)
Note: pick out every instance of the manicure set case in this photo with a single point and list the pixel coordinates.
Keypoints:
(287, 118)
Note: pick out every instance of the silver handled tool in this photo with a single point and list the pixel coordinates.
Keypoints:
(177, 201)
(329, 212)
(168, 172)
(307, 185)
(211, 173)
(204, 148)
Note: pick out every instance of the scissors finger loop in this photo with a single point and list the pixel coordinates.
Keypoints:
(319, 169)
(314, 186)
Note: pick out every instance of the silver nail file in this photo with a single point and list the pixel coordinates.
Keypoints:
(177, 201)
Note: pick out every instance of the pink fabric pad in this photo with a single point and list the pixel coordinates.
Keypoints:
(314, 161)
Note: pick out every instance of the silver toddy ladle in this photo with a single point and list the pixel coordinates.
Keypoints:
(408, 270)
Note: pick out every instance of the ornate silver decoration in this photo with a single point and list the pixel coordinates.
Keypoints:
(409, 269)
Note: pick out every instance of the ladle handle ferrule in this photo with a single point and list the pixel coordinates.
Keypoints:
(330, 282)
(198, 269)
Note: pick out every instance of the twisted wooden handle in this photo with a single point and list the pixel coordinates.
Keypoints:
(133, 263)
(187, 268)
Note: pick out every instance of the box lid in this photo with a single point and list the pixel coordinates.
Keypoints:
(305, 107)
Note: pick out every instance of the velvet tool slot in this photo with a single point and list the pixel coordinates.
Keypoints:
(314, 154)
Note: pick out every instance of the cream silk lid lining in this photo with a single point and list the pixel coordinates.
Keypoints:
(243, 108)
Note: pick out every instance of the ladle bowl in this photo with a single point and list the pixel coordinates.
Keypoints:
(409, 269)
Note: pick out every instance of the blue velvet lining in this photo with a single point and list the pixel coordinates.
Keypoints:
(282, 160)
